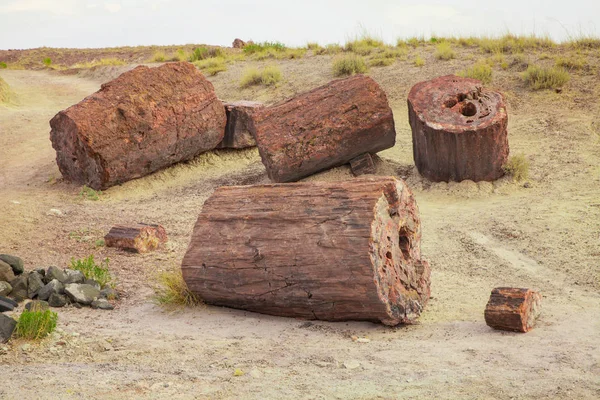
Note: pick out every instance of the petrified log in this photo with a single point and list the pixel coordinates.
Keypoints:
(323, 128)
(458, 130)
(139, 238)
(238, 43)
(145, 120)
(318, 250)
(513, 309)
(237, 134)
(362, 165)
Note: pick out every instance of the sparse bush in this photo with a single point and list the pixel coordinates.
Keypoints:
(480, 71)
(47, 61)
(349, 64)
(381, 62)
(444, 51)
(91, 270)
(89, 193)
(252, 48)
(212, 66)
(203, 53)
(419, 61)
(332, 48)
(35, 324)
(159, 56)
(270, 75)
(172, 290)
(3, 65)
(313, 46)
(571, 62)
(364, 44)
(537, 77)
(387, 57)
(518, 167)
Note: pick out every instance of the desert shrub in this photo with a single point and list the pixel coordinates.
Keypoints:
(3, 65)
(480, 71)
(270, 75)
(381, 62)
(313, 46)
(293, 54)
(443, 51)
(537, 77)
(415, 41)
(34, 325)
(203, 53)
(467, 42)
(159, 56)
(91, 270)
(212, 66)
(47, 61)
(387, 57)
(180, 55)
(520, 61)
(514, 44)
(419, 61)
(518, 167)
(349, 64)
(252, 48)
(571, 62)
(171, 290)
(364, 44)
(332, 48)
(89, 193)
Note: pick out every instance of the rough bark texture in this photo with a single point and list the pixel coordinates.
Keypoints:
(318, 250)
(139, 238)
(145, 120)
(513, 309)
(237, 133)
(458, 129)
(362, 165)
(323, 128)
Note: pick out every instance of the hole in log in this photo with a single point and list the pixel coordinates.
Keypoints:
(388, 255)
(404, 238)
(468, 109)
(450, 103)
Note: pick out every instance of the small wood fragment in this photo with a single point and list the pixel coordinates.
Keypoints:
(513, 309)
(139, 238)
(362, 165)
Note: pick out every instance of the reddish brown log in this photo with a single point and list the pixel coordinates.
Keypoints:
(362, 165)
(458, 129)
(145, 120)
(237, 133)
(323, 128)
(238, 44)
(139, 238)
(318, 250)
(513, 309)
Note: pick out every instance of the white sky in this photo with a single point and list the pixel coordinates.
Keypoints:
(99, 23)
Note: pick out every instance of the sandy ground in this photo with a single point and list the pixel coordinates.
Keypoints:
(477, 236)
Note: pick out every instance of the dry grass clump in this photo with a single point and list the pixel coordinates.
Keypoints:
(102, 62)
(514, 44)
(349, 64)
(5, 94)
(313, 46)
(387, 57)
(159, 56)
(35, 325)
(480, 71)
(537, 77)
(331, 49)
(172, 290)
(585, 42)
(268, 76)
(443, 51)
(419, 61)
(518, 167)
(575, 62)
(364, 44)
(212, 66)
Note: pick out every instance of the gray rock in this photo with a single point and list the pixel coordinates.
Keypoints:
(37, 305)
(41, 271)
(7, 327)
(74, 276)
(19, 285)
(102, 304)
(7, 304)
(82, 293)
(109, 293)
(57, 300)
(55, 273)
(54, 286)
(6, 272)
(93, 283)
(5, 288)
(15, 262)
(34, 284)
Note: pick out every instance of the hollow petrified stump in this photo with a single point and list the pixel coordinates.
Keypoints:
(318, 250)
(145, 120)
(323, 128)
(237, 133)
(513, 309)
(458, 129)
(139, 238)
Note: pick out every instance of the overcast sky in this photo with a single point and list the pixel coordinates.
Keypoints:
(99, 23)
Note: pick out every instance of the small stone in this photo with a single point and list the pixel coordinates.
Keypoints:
(102, 304)
(362, 340)
(41, 271)
(19, 285)
(37, 305)
(34, 284)
(76, 305)
(55, 212)
(6, 272)
(527, 185)
(54, 286)
(26, 347)
(82, 293)
(7, 304)
(74, 276)
(7, 327)
(109, 293)
(351, 364)
(55, 273)
(57, 300)
(92, 283)
(5, 288)
(15, 262)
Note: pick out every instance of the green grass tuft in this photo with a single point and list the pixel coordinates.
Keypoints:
(518, 167)
(349, 64)
(47, 61)
(537, 77)
(172, 290)
(419, 61)
(480, 71)
(89, 193)
(252, 48)
(91, 270)
(35, 325)
(3, 65)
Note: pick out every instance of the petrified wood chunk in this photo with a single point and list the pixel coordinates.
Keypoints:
(458, 130)
(323, 128)
(145, 120)
(237, 133)
(513, 309)
(362, 165)
(139, 238)
(238, 43)
(318, 250)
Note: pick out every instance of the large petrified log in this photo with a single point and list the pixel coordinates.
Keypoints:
(323, 128)
(458, 129)
(318, 250)
(138, 238)
(513, 309)
(237, 133)
(145, 120)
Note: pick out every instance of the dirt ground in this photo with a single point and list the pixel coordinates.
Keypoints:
(544, 235)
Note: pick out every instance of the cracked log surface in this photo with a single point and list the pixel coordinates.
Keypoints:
(513, 309)
(142, 121)
(237, 133)
(458, 130)
(318, 250)
(323, 128)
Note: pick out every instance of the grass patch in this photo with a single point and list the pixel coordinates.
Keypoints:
(159, 56)
(35, 325)
(443, 51)
(349, 64)
(3, 65)
(537, 77)
(480, 71)
(578, 62)
(203, 53)
(313, 46)
(212, 66)
(5, 93)
(364, 44)
(331, 49)
(419, 61)
(91, 270)
(252, 48)
(514, 44)
(518, 167)
(89, 193)
(268, 76)
(172, 290)
(47, 61)
(101, 62)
